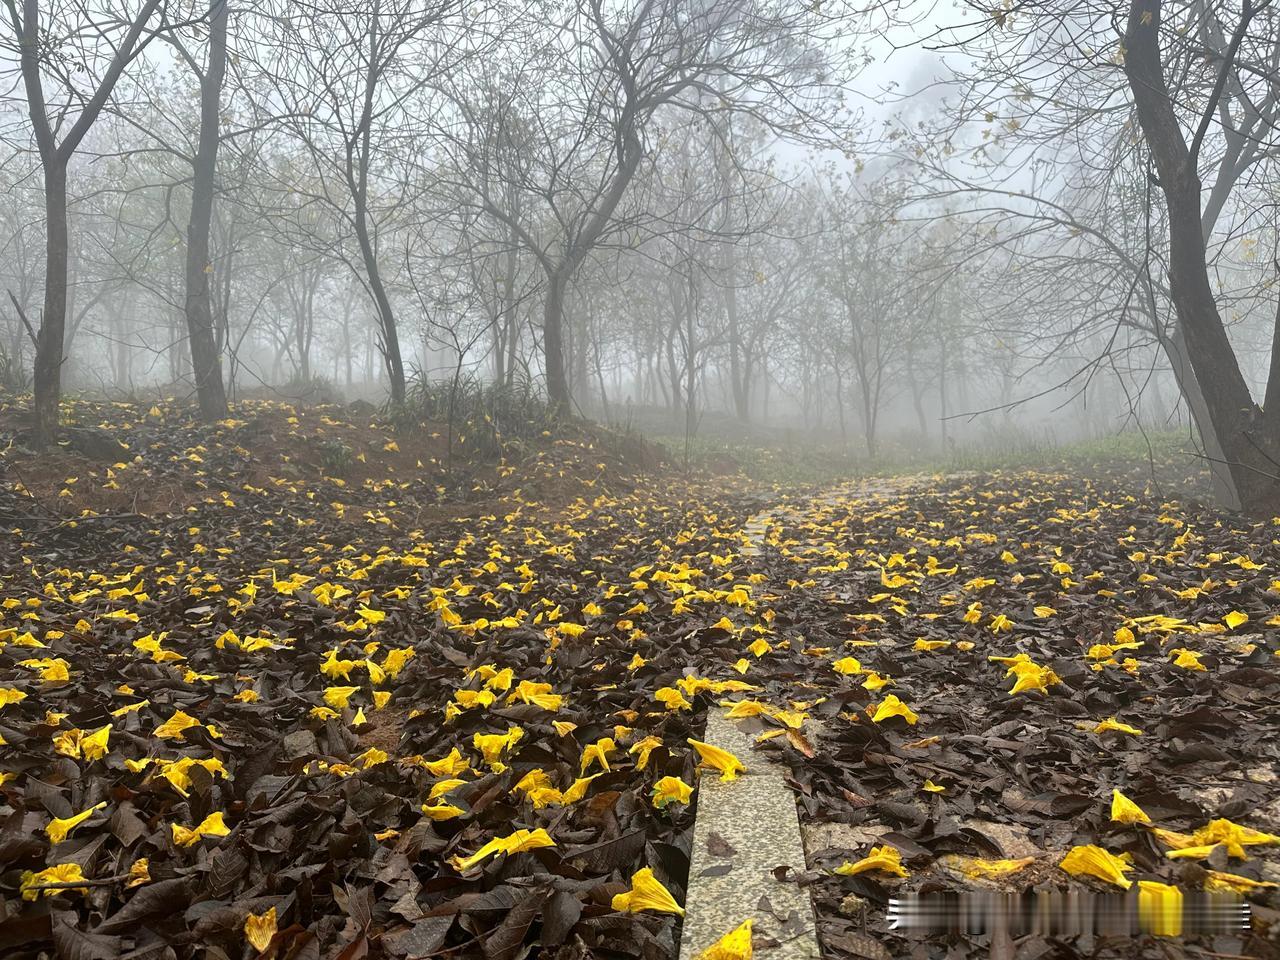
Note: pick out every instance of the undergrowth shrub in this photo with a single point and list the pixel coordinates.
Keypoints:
(488, 418)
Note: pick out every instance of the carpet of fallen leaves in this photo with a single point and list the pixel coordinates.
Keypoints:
(998, 657)
(287, 716)
(292, 685)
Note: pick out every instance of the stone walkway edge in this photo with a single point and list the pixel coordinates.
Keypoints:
(744, 830)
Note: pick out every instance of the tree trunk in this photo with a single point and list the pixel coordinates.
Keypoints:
(54, 159)
(1250, 448)
(206, 365)
(553, 344)
(737, 378)
(1175, 351)
(389, 339)
(53, 322)
(358, 182)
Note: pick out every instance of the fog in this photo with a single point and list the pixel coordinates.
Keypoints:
(904, 227)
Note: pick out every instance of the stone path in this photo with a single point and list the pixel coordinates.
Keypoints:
(745, 830)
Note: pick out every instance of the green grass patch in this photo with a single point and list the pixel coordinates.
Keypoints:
(1168, 456)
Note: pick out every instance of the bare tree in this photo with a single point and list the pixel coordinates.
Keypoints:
(350, 77)
(206, 364)
(1248, 434)
(574, 142)
(59, 123)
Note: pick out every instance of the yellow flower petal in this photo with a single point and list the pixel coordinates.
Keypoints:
(442, 811)
(891, 707)
(734, 945)
(1093, 861)
(722, 760)
(1124, 810)
(1192, 853)
(1234, 883)
(260, 929)
(139, 873)
(172, 728)
(1235, 618)
(59, 828)
(670, 790)
(976, 867)
(518, 842)
(59, 873)
(1112, 724)
(646, 893)
(884, 858)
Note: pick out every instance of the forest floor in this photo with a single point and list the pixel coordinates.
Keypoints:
(299, 685)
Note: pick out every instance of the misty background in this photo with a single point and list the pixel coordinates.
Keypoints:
(860, 224)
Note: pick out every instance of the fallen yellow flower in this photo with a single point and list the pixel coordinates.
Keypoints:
(441, 811)
(672, 699)
(471, 699)
(449, 766)
(59, 873)
(976, 867)
(646, 893)
(890, 707)
(884, 858)
(492, 745)
(1031, 676)
(641, 750)
(337, 697)
(446, 786)
(1192, 853)
(60, 827)
(598, 752)
(745, 708)
(210, 826)
(1124, 810)
(1187, 659)
(928, 646)
(671, 790)
(260, 929)
(1171, 838)
(1235, 618)
(1114, 725)
(10, 695)
(847, 665)
(139, 873)
(722, 760)
(1234, 836)
(734, 945)
(1093, 861)
(518, 842)
(78, 744)
(51, 669)
(1234, 883)
(536, 694)
(172, 728)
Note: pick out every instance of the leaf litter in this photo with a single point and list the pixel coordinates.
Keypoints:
(1047, 641)
(417, 710)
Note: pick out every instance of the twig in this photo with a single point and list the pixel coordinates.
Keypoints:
(35, 341)
(77, 884)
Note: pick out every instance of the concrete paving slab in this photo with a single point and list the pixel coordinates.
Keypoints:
(745, 829)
